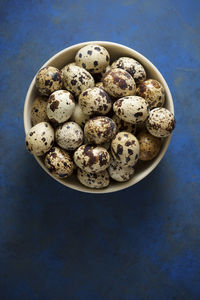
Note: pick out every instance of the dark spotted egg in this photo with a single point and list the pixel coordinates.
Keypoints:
(99, 130)
(93, 58)
(92, 159)
(48, 80)
(39, 110)
(149, 145)
(94, 180)
(125, 148)
(119, 172)
(69, 136)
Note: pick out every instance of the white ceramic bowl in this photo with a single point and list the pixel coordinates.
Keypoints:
(116, 50)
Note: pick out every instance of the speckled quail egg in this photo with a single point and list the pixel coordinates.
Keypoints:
(95, 101)
(78, 116)
(132, 109)
(132, 66)
(92, 159)
(125, 148)
(152, 91)
(69, 136)
(149, 145)
(60, 106)
(48, 80)
(59, 163)
(38, 111)
(99, 130)
(77, 79)
(119, 83)
(120, 173)
(40, 138)
(123, 125)
(93, 58)
(94, 180)
(161, 122)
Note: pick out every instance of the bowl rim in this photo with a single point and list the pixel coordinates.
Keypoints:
(123, 185)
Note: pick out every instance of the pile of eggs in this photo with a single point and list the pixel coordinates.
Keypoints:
(96, 119)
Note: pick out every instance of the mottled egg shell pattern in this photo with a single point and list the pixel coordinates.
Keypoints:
(93, 58)
(125, 148)
(149, 145)
(40, 138)
(77, 79)
(120, 173)
(119, 83)
(38, 111)
(59, 162)
(60, 106)
(69, 136)
(99, 130)
(78, 116)
(94, 180)
(161, 122)
(132, 109)
(95, 101)
(92, 159)
(123, 125)
(132, 66)
(153, 92)
(48, 80)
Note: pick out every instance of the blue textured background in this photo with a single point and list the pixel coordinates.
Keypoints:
(139, 244)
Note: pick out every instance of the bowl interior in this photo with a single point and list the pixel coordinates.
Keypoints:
(142, 169)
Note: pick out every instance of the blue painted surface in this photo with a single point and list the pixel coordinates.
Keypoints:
(141, 243)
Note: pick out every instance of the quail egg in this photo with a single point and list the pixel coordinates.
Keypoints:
(69, 136)
(93, 58)
(94, 180)
(59, 163)
(125, 148)
(119, 83)
(60, 106)
(120, 173)
(92, 159)
(132, 66)
(78, 116)
(95, 101)
(40, 138)
(77, 79)
(123, 125)
(161, 122)
(48, 80)
(99, 130)
(149, 145)
(132, 109)
(38, 111)
(152, 91)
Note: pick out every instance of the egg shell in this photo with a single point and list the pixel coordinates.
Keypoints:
(132, 66)
(40, 138)
(48, 80)
(119, 83)
(99, 130)
(153, 92)
(77, 79)
(125, 148)
(59, 162)
(60, 106)
(95, 101)
(69, 136)
(94, 180)
(132, 109)
(93, 58)
(92, 159)
(149, 145)
(38, 111)
(120, 173)
(78, 116)
(123, 125)
(161, 122)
